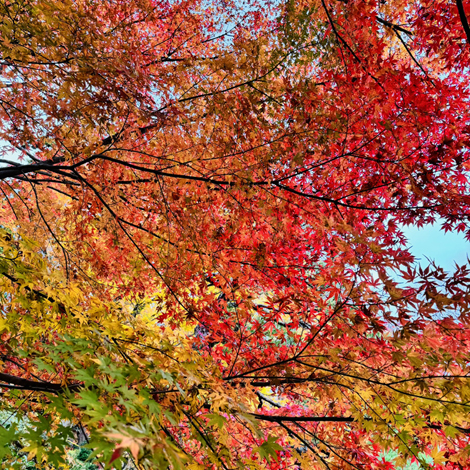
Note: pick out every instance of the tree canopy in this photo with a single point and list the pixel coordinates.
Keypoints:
(202, 256)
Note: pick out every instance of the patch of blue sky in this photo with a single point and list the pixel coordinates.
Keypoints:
(431, 243)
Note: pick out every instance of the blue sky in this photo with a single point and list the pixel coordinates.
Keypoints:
(443, 248)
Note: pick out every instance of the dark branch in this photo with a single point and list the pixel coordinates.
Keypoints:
(463, 19)
(32, 385)
(394, 26)
(299, 419)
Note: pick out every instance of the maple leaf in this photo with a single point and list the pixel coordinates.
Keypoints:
(268, 449)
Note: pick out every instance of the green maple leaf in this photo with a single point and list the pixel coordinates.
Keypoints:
(216, 420)
(450, 431)
(268, 448)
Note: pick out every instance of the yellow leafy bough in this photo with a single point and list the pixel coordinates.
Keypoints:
(136, 389)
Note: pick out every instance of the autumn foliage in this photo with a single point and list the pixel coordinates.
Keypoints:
(202, 258)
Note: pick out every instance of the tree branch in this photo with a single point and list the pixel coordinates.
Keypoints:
(32, 385)
(463, 19)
